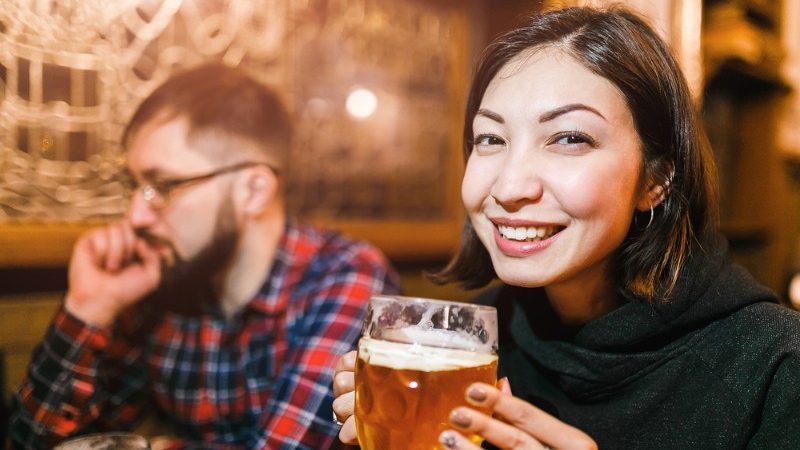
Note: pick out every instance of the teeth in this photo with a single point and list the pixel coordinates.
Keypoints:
(526, 233)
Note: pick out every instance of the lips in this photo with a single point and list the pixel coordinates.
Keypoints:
(162, 246)
(151, 239)
(517, 239)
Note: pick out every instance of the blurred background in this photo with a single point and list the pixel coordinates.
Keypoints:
(376, 89)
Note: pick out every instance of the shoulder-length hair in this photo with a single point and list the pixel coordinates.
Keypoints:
(621, 47)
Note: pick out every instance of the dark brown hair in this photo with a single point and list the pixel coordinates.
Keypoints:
(222, 100)
(619, 46)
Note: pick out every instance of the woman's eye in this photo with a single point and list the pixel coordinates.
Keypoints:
(573, 138)
(488, 139)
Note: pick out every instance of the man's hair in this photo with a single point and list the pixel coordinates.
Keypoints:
(218, 100)
(619, 46)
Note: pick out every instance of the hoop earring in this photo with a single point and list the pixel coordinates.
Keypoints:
(649, 222)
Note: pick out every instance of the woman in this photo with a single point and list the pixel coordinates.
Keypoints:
(591, 195)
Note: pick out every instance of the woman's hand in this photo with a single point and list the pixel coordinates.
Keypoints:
(344, 389)
(516, 424)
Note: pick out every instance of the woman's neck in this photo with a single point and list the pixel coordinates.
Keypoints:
(577, 303)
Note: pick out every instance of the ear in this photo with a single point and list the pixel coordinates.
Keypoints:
(258, 189)
(653, 195)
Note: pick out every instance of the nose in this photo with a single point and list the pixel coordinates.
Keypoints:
(140, 214)
(519, 182)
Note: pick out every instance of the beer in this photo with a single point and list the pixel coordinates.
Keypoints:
(405, 392)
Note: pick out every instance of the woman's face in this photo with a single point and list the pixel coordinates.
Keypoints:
(555, 173)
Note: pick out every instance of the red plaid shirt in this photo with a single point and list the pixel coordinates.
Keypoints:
(260, 380)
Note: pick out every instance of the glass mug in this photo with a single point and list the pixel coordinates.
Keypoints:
(416, 358)
(106, 441)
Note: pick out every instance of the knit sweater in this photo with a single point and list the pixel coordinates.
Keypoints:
(715, 367)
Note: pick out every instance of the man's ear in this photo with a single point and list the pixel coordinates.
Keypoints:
(258, 191)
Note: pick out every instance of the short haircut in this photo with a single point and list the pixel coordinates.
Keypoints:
(621, 47)
(223, 101)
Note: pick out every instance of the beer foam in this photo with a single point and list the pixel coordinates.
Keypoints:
(400, 356)
(436, 338)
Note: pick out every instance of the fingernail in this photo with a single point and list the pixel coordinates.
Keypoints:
(458, 418)
(476, 394)
(448, 439)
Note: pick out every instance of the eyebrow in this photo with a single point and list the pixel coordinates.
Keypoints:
(491, 115)
(552, 114)
(546, 116)
(153, 174)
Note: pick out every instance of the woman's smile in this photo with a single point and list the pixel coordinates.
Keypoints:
(517, 238)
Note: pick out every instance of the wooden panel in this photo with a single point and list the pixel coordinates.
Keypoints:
(37, 245)
(23, 322)
(405, 241)
(32, 245)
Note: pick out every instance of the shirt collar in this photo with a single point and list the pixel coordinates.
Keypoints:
(293, 254)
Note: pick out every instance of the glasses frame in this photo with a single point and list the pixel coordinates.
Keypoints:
(157, 194)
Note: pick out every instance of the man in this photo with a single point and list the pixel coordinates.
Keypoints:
(206, 305)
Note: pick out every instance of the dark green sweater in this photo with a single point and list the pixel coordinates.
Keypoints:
(718, 367)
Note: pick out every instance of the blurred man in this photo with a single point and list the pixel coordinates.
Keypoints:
(206, 305)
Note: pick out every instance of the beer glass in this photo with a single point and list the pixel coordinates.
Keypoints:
(106, 441)
(416, 358)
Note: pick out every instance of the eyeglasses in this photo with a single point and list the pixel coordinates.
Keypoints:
(157, 194)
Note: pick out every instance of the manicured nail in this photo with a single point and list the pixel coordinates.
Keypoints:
(477, 394)
(448, 439)
(458, 418)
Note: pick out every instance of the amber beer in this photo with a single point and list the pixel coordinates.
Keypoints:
(405, 392)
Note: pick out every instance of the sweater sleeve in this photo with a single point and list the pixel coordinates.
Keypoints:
(80, 379)
(780, 422)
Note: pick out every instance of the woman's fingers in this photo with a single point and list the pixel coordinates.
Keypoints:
(348, 432)
(524, 418)
(504, 385)
(347, 363)
(456, 441)
(344, 386)
(501, 434)
(343, 382)
(344, 405)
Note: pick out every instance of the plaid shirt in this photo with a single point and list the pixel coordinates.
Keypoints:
(260, 380)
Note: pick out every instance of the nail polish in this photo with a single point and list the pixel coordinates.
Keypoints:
(477, 394)
(460, 419)
(448, 439)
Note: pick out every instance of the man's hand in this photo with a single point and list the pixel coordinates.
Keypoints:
(110, 270)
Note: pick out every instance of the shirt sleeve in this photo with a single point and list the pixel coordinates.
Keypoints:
(64, 393)
(301, 406)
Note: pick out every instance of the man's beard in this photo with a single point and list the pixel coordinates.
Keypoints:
(188, 285)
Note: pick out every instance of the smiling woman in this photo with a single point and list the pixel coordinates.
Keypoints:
(591, 194)
(530, 168)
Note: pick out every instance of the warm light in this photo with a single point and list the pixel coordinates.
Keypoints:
(361, 103)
